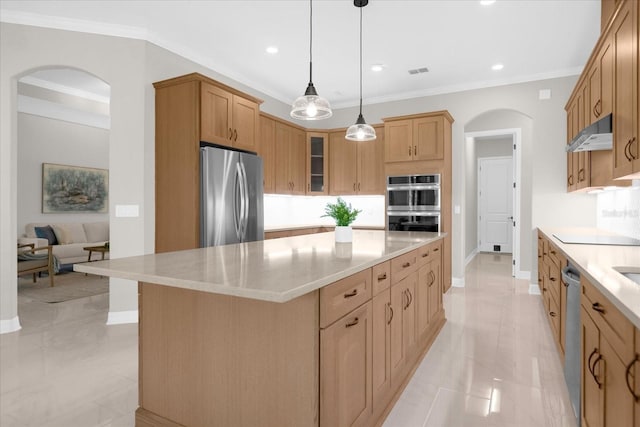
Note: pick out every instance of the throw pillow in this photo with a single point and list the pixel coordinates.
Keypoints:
(46, 233)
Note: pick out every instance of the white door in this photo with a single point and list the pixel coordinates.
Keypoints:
(495, 204)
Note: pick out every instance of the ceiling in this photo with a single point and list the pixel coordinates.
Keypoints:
(457, 40)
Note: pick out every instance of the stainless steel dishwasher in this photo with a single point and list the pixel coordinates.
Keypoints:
(571, 279)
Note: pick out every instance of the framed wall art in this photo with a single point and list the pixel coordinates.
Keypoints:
(68, 189)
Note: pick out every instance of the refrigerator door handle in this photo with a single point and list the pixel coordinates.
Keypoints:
(243, 201)
(238, 202)
(245, 216)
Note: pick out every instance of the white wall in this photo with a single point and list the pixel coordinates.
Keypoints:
(44, 140)
(619, 210)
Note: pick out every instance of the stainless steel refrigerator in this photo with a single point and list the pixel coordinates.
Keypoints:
(231, 197)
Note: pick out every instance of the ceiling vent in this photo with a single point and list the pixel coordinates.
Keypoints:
(419, 70)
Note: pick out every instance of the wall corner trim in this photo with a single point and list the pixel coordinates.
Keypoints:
(10, 325)
(122, 317)
(457, 282)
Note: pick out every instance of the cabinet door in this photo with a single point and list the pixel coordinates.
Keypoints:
(625, 142)
(428, 138)
(317, 163)
(435, 287)
(398, 138)
(606, 80)
(398, 351)
(370, 165)
(572, 160)
(345, 370)
(618, 402)
(592, 401)
(216, 110)
(282, 158)
(342, 164)
(422, 302)
(245, 123)
(381, 357)
(267, 150)
(636, 380)
(595, 101)
(297, 161)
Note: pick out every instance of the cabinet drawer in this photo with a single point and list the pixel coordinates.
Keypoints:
(553, 313)
(403, 265)
(553, 255)
(618, 329)
(555, 282)
(428, 252)
(339, 298)
(381, 277)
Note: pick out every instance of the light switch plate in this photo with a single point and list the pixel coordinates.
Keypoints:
(127, 211)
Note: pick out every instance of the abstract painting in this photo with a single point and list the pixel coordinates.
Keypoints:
(74, 189)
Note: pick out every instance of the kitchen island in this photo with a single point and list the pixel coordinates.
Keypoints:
(299, 331)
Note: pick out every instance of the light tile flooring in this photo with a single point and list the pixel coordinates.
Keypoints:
(493, 364)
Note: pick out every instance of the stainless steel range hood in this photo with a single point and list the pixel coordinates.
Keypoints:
(597, 136)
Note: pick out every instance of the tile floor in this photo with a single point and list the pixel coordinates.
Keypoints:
(493, 364)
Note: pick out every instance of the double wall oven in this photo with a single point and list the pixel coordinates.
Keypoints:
(413, 203)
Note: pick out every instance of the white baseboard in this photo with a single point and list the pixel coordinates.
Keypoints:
(525, 275)
(457, 282)
(470, 257)
(122, 317)
(534, 289)
(10, 325)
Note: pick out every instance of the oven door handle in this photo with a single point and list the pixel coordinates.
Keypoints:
(414, 213)
(412, 187)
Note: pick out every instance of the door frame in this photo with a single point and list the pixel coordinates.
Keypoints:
(516, 134)
(478, 165)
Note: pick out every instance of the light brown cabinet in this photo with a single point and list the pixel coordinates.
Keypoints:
(317, 163)
(356, 167)
(601, 82)
(266, 148)
(190, 109)
(290, 152)
(608, 359)
(626, 147)
(382, 317)
(227, 118)
(345, 363)
(415, 139)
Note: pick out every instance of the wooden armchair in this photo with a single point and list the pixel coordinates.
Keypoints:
(33, 265)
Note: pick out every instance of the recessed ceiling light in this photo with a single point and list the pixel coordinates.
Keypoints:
(487, 2)
(272, 49)
(377, 67)
(497, 67)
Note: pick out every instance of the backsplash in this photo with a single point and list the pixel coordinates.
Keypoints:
(282, 210)
(619, 210)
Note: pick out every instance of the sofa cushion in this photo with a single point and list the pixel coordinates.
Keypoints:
(46, 232)
(96, 231)
(70, 233)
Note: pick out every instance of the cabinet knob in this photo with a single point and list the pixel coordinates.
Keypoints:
(552, 314)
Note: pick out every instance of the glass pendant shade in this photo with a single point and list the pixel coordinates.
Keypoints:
(361, 131)
(311, 106)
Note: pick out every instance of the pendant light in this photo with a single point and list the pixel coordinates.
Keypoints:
(360, 131)
(311, 106)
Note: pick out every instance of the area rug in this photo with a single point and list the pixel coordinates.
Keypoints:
(68, 286)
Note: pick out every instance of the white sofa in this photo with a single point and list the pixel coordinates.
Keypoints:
(72, 238)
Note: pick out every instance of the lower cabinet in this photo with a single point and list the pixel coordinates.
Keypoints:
(403, 332)
(345, 363)
(608, 363)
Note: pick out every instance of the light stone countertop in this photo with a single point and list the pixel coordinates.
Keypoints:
(272, 228)
(277, 270)
(598, 262)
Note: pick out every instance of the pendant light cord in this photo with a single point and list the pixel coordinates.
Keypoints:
(310, 40)
(360, 60)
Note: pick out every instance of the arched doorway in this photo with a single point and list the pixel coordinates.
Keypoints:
(63, 127)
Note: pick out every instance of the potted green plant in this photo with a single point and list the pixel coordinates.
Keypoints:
(344, 215)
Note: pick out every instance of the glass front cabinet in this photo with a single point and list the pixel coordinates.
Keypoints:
(317, 163)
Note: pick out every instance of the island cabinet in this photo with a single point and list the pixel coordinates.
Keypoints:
(191, 109)
(356, 167)
(608, 361)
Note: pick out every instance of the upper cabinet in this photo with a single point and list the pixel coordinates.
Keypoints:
(266, 148)
(356, 167)
(191, 109)
(420, 138)
(228, 118)
(624, 34)
(317, 163)
(290, 165)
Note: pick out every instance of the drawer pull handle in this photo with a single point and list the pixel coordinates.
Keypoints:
(406, 264)
(629, 386)
(552, 314)
(553, 279)
(597, 307)
(382, 277)
(426, 254)
(352, 323)
(390, 313)
(595, 377)
(593, 353)
(436, 249)
(554, 252)
(353, 293)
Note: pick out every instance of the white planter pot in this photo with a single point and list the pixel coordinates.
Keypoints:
(344, 234)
